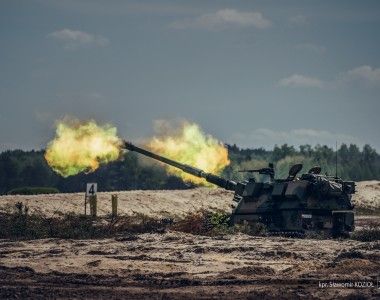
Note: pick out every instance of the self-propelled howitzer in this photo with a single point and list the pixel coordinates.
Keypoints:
(311, 202)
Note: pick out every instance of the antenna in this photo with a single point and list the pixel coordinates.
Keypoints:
(336, 159)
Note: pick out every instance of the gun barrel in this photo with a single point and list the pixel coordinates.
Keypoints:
(219, 181)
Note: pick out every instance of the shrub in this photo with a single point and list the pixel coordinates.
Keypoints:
(196, 223)
(204, 223)
(251, 228)
(139, 223)
(367, 234)
(20, 224)
(26, 190)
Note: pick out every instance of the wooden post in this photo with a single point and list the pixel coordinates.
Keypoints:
(114, 205)
(93, 205)
(85, 205)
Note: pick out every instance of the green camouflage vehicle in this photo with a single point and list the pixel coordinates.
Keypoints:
(311, 202)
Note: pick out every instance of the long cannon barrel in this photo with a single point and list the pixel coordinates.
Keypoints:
(219, 181)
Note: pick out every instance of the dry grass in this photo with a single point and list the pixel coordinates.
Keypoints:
(369, 233)
(19, 223)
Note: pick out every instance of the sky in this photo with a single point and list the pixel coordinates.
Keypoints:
(254, 73)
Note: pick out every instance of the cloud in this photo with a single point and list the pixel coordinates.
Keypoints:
(365, 75)
(73, 39)
(298, 20)
(267, 138)
(224, 18)
(311, 48)
(300, 81)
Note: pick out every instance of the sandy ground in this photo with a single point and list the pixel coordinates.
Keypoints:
(161, 204)
(176, 265)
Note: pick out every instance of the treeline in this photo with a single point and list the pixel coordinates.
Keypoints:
(353, 163)
(29, 168)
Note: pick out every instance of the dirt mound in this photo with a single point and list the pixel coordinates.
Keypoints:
(361, 267)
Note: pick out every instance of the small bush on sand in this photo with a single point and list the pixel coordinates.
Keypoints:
(204, 223)
(251, 228)
(367, 234)
(216, 223)
(139, 223)
(26, 190)
(20, 224)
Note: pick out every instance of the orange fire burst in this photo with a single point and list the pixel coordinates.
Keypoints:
(191, 146)
(82, 147)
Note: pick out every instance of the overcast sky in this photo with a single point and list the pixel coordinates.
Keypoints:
(254, 73)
